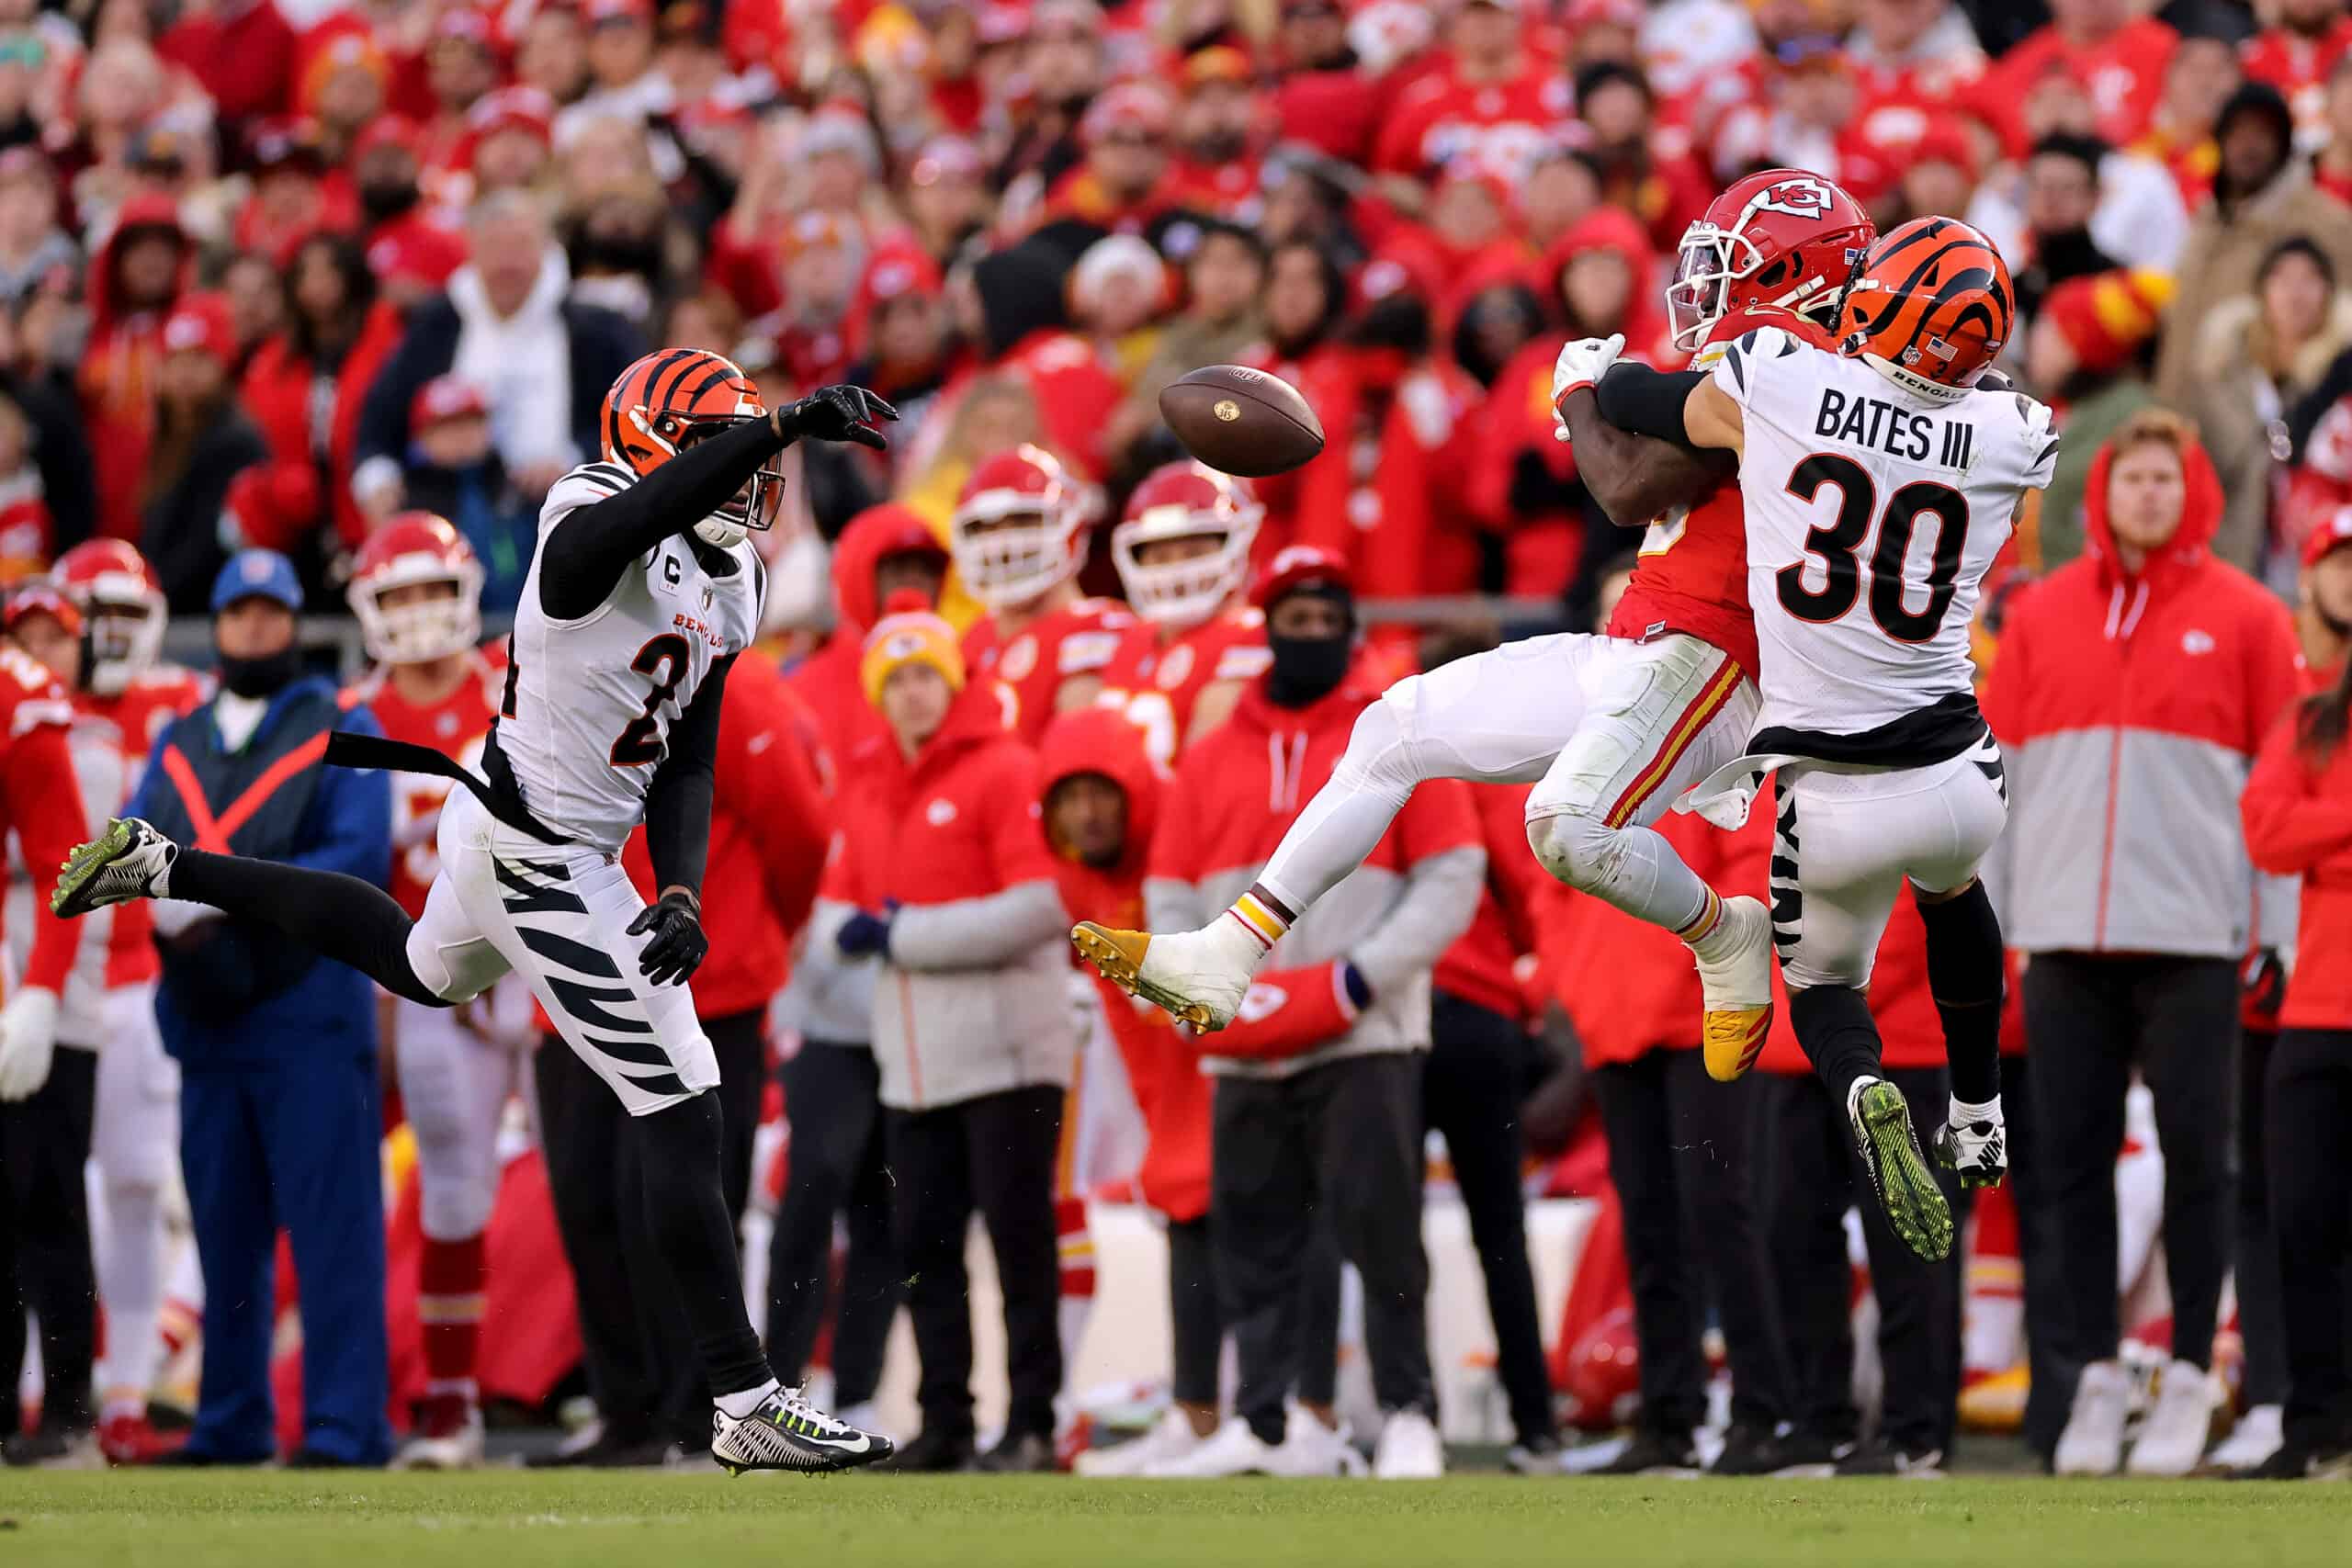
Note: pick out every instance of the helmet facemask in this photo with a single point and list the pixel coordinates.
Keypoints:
(1186, 589)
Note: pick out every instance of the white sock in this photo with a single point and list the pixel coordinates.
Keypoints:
(1854, 1094)
(740, 1404)
(1963, 1113)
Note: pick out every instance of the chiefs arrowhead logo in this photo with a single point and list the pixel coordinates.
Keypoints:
(1263, 1001)
(1801, 197)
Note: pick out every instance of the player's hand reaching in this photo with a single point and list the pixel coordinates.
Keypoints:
(677, 946)
(1582, 363)
(837, 413)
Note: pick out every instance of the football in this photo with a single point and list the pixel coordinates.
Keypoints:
(1240, 421)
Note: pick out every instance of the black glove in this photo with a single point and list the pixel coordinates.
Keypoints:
(836, 413)
(2263, 983)
(864, 933)
(677, 947)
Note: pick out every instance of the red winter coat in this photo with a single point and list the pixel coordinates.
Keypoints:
(242, 53)
(1163, 1069)
(276, 395)
(827, 681)
(770, 824)
(2298, 815)
(1483, 966)
(2130, 706)
(118, 373)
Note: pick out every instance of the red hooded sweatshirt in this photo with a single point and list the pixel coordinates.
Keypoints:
(770, 824)
(277, 392)
(118, 370)
(1163, 1070)
(2130, 705)
(2298, 813)
(827, 681)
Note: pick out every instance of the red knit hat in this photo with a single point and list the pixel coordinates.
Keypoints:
(2331, 534)
(2105, 317)
(201, 323)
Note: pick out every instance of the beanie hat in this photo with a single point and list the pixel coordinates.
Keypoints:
(2105, 318)
(909, 633)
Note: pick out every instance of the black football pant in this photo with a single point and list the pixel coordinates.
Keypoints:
(2309, 1145)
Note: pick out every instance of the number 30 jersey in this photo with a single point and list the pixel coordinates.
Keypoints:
(585, 714)
(1875, 510)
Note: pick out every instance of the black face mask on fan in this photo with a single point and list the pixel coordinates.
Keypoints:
(263, 676)
(1305, 669)
(383, 200)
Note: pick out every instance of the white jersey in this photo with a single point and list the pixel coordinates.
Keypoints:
(588, 704)
(1875, 510)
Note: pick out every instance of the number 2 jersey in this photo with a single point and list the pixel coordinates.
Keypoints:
(1692, 574)
(1875, 508)
(585, 713)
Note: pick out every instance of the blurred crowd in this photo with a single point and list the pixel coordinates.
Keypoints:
(280, 276)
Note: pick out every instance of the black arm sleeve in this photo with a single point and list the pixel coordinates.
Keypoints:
(1643, 402)
(1637, 480)
(677, 803)
(585, 553)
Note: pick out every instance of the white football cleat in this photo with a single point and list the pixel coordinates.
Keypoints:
(1232, 1449)
(2260, 1432)
(1169, 1439)
(1736, 977)
(1408, 1449)
(460, 1450)
(2092, 1443)
(1311, 1449)
(787, 1432)
(1977, 1152)
(1199, 977)
(130, 860)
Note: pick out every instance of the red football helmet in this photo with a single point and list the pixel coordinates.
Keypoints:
(1015, 533)
(1780, 238)
(1186, 500)
(671, 399)
(110, 581)
(416, 550)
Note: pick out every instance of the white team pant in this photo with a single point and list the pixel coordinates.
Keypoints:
(454, 1088)
(559, 916)
(1608, 730)
(134, 1150)
(1844, 841)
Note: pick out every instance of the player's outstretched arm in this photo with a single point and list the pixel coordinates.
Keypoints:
(586, 552)
(677, 834)
(1636, 478)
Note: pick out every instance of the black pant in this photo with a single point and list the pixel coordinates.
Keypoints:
(1815, 1174)
(1471, 1090)
(45, 1241)
(633, 1331)
(1678, 1154)
(1197, 1328)
(2256, 1270)
(1339, 1143)
(2309, 1148)
(835, 1166)
(2091, 1019)
(994, 1154)
(2049, 1358)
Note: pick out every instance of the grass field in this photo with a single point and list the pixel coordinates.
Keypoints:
(513, 1519)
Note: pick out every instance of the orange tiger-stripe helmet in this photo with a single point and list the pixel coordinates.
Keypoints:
(1932, 299)
(674, 397)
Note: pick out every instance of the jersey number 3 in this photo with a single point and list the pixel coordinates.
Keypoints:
(664, 660)
(1838, 542)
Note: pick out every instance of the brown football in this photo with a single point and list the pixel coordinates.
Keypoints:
(1240, 421)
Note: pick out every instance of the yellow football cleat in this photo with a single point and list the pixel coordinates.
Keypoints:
(1736, 977)
(1123, 958)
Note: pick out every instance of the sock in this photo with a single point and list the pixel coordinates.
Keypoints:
(1964, 975)
(685, 1213)
(743, 1402)
(1074, 1244)
(353, 922)
(1263, 915)
(1964, 1112)
(1841, 1039)
(1704, 924)
(449, 1305)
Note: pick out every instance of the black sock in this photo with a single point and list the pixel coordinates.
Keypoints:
(685, 1213)
(1840, 1037)
(1964, 975)
(347, 919)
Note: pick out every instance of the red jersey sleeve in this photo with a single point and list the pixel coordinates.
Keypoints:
(43, 805)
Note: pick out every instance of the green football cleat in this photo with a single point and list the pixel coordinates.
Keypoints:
(1906, 1187)
(129, 861)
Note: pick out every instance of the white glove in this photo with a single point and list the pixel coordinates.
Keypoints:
(27, 1043)
(1582, 363)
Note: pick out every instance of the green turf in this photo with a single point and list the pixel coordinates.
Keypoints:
(512, 1519)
